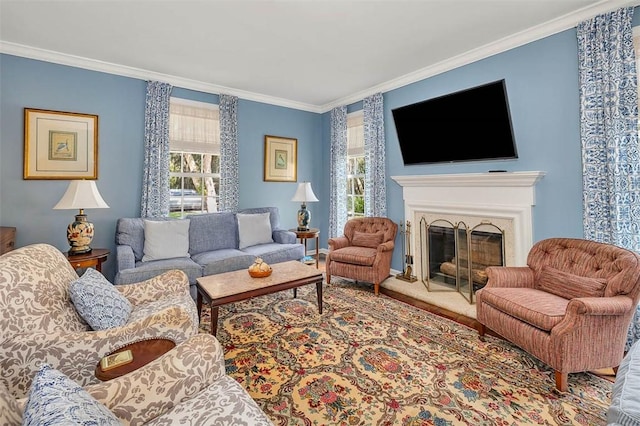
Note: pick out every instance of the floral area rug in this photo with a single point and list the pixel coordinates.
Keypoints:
(371, 360)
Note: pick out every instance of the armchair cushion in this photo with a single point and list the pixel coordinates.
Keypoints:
(56, 399)
(165, 239)
(568, 285)
(366, 239)
(355, 255)
(98, 302)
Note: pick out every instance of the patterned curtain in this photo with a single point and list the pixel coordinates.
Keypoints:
(609, 132)
(155, 184)
(229, 182)
(338, 172)
(375, 190)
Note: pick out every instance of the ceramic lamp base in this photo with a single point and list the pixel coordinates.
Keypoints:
(304, 217)
(80, 234)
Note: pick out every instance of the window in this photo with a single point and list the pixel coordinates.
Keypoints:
(194, 169)
(355, 164)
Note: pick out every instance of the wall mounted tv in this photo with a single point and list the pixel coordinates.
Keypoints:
(469, 125)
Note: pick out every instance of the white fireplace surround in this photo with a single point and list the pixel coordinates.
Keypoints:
(505, 199)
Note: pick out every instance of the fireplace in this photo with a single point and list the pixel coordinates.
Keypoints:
(476, 200)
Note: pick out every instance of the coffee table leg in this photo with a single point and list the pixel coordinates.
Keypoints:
(319, 293)
(295, 292)
(214, 320)
(199, 304)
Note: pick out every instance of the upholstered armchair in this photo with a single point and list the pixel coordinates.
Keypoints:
(187, 385)
(364, 252)
(570, 307)
(40, 324)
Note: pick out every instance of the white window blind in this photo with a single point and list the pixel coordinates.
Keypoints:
(355, 133)
(194, 127)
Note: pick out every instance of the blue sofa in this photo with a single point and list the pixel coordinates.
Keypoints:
(214, 247)
(625, 397)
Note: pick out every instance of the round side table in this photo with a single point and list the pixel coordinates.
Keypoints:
(304, 236)
(93, 259)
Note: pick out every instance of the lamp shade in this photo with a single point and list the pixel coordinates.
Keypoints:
(304, 193)
(81, 194)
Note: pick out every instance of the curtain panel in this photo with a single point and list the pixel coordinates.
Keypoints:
(609, 133)
(155, 184)
(375, 189)
(338, 172)
(229, 181)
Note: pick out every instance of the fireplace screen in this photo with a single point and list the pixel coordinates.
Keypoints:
(454, 257)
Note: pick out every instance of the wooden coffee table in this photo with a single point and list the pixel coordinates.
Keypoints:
(144, 351)
(229, 287)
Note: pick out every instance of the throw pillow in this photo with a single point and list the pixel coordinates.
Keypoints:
(165, 239)
(54, 399)
(568, 285)
(98, 301)
(254, 229)
(367, 239)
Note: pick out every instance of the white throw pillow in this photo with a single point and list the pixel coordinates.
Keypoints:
(254, 229)
(165, 239)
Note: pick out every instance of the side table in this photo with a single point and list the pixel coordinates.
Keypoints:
(304, 236)
(93, 259)
(143, 351)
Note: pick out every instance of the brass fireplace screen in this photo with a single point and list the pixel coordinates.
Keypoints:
(454, 257)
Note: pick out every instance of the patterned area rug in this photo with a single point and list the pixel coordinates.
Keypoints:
(376, 361)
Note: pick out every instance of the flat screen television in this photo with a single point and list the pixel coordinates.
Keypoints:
(469, 125)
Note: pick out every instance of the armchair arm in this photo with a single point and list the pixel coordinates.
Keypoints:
(388, 246)
(125, 259)
(174, 282)
(617, 305)
(283, 236)
(338, 243)
(77, 354)
(510, 276)
(153, 390)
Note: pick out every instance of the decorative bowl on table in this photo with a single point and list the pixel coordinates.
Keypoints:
(260, 269)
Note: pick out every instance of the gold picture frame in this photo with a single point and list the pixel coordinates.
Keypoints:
(280, 159)
(60, 145)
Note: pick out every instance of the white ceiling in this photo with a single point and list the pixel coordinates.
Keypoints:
(310, 55)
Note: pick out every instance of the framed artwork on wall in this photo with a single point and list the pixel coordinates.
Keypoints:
(60, 145)
(280, 159)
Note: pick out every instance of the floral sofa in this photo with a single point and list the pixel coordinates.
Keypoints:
(209, 243)
(187, 385)
(40, 324)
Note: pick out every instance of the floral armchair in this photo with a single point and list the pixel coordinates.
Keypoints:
(570, 307)
(187, 385)
(364, 252)
(39, 323)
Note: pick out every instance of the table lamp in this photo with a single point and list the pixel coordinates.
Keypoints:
(81, 194)
(305, 194)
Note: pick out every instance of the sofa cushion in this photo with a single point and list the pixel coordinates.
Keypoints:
(538, 308)
(254, 229)
(223, 260)
(367, 239)
(54, 399)
(568, 285)
(165, 239)
(212, 231)
(98, 302)
(625, 396)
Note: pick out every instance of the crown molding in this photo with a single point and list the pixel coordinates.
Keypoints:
(507, 43)
(142, 74)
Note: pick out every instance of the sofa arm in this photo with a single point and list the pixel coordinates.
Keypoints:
(77, 353)
(283, 236)
(338, 243)
(510, 276)
(125, 259)
(167, 284)
(155, 389)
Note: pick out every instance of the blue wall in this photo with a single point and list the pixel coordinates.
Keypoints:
(119, 103)
(542, 84)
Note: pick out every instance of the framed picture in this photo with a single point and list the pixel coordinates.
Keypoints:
(280, 159)
(60, 145)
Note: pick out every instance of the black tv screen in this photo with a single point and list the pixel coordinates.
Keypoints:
(469, 125)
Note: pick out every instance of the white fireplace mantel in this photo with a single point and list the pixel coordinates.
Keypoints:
(503, 196)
